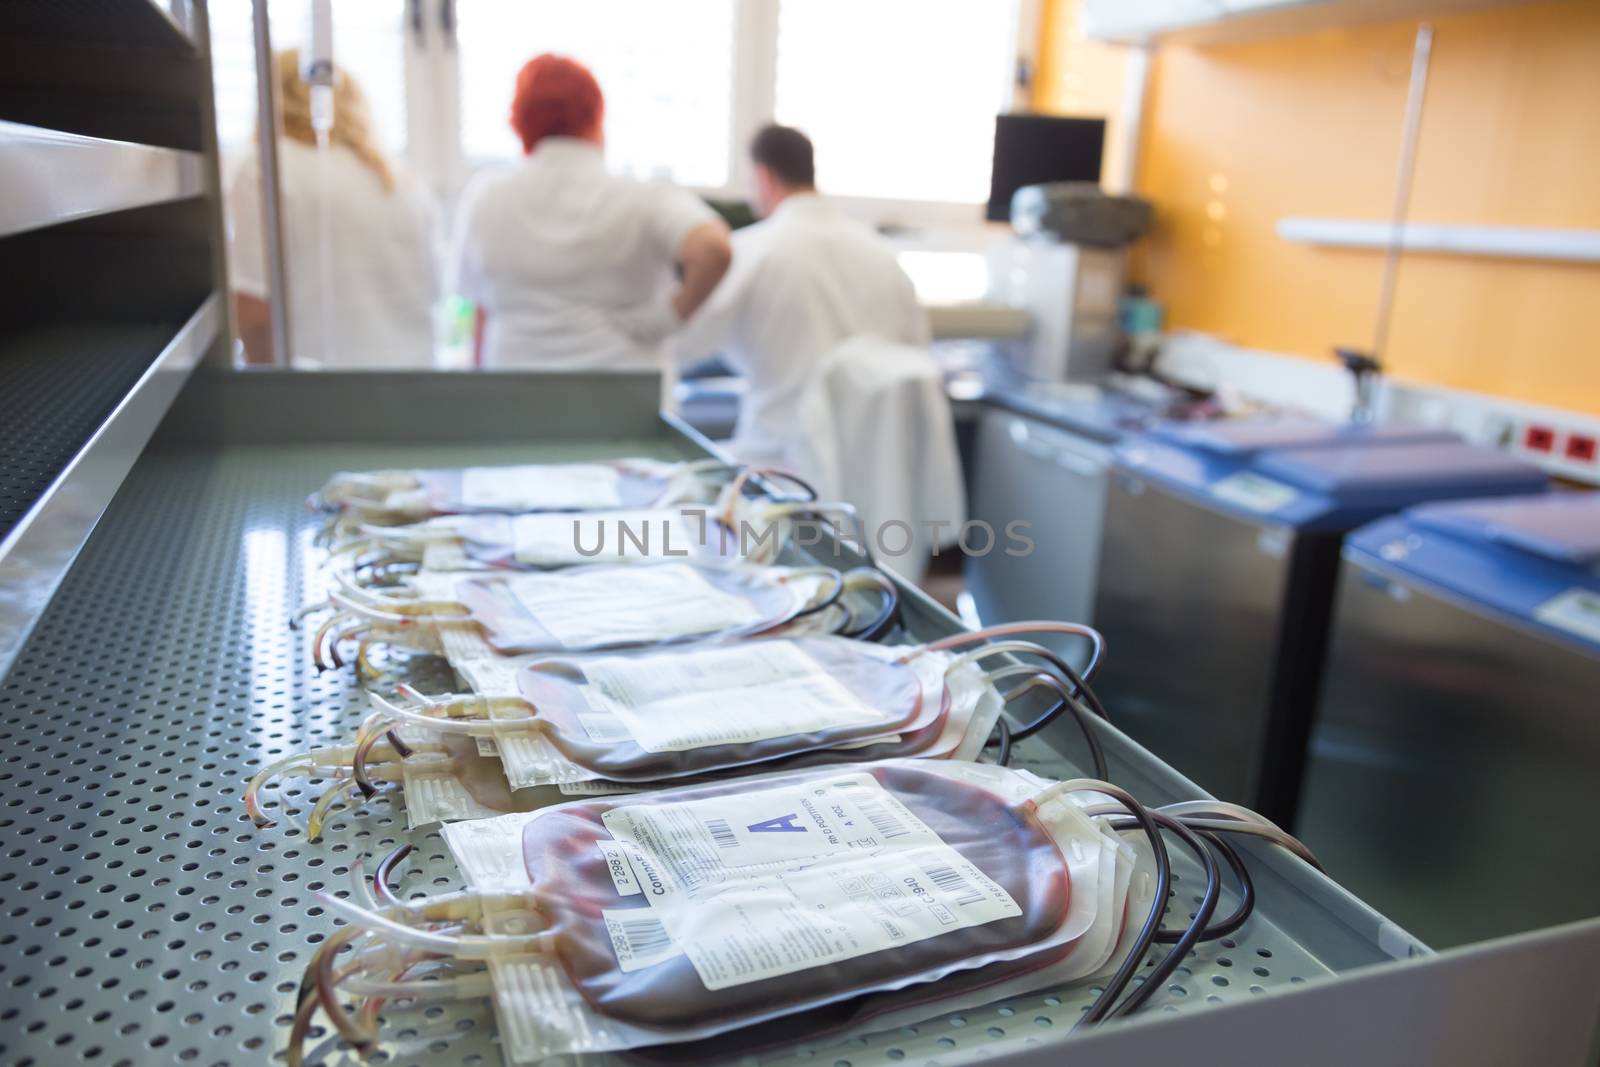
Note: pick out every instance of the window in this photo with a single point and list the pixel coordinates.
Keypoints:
(899, 95)
(902, 105)
(368, 41)
(666, 69)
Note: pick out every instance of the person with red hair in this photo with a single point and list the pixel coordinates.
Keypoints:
(570, 266)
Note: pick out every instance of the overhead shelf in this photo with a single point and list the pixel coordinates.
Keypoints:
(51, 177)
(1507, 242)
(77, 405)
(1211, 22)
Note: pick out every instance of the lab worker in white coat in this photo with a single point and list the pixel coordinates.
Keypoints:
(370, 305)
(570, 266)
(826, 329)
(804, 279)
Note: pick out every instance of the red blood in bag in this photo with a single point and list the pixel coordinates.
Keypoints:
(556, 688)
(481, 776)
(572, 885)
(819, 1023)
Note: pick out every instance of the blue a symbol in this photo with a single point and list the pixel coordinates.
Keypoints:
(783, 824)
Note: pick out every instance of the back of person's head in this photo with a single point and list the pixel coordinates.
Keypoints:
(787, 155)
(556, 97)
(352, 120)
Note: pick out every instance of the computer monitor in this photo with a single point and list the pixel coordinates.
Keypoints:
(1030, 149)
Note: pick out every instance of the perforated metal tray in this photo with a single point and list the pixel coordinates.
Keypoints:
(146, 921)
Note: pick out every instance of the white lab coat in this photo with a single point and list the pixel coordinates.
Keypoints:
(802, 282)
(573, 265)
(381, 278)
(880, 434)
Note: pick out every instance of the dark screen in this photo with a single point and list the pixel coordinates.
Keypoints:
(1030, 149)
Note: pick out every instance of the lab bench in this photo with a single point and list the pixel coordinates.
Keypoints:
(150, 920)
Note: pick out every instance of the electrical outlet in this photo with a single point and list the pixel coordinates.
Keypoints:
(1581, 448)
(1538, 438)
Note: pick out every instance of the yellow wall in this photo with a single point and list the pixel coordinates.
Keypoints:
(1077, 76)
(1236, 137)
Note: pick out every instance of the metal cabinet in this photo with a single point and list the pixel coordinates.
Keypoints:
(1451, 776)
(1054, 481)
(1194, 603)
(1216, 579)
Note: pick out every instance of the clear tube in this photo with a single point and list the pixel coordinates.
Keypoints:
(464, 988)
(467, 947)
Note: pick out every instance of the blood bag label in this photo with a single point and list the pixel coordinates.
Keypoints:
(605, 729)
(638, 937)
(606, 537)
(772, 882)
(541, 488)
(1576, 611)
(1253, 492)
(619, 869)
(620, 605)
(720, 696)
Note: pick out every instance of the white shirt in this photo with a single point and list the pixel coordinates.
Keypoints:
(572, 265)
(802, 281)
(381, 277)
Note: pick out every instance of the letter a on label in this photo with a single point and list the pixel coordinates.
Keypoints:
(783, 824)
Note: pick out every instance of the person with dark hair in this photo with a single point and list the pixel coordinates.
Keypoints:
(784, 163)
(804, 280)
(572, 267)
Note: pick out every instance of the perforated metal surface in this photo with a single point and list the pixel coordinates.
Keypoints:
(56, 388)
(146, 921)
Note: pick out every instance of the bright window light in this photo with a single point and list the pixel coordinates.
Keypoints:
(666, 70)
(947, 277)
(899, 96)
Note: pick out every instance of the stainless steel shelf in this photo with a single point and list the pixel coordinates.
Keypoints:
(51, 177)
(162, 928)
(165, 9)
(39, 548)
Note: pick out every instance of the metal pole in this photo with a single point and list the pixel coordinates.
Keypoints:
(1135, 86)
(271, 201)
(1420, 53)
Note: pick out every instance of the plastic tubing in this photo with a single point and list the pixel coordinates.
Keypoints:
(466, 947)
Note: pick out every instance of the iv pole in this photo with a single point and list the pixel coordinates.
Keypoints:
(1366, 365)
(271, 201)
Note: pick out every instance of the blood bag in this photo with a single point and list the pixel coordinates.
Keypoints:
(682, 914)
(402, 495)
(610, 723)
(701, 711)
(600, 606)
(699, 923)
(1104, 895)
(652, 715)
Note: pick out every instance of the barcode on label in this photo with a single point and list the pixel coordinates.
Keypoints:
(949, 880)
(721, 833)
(643, 937)
(885, 822)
